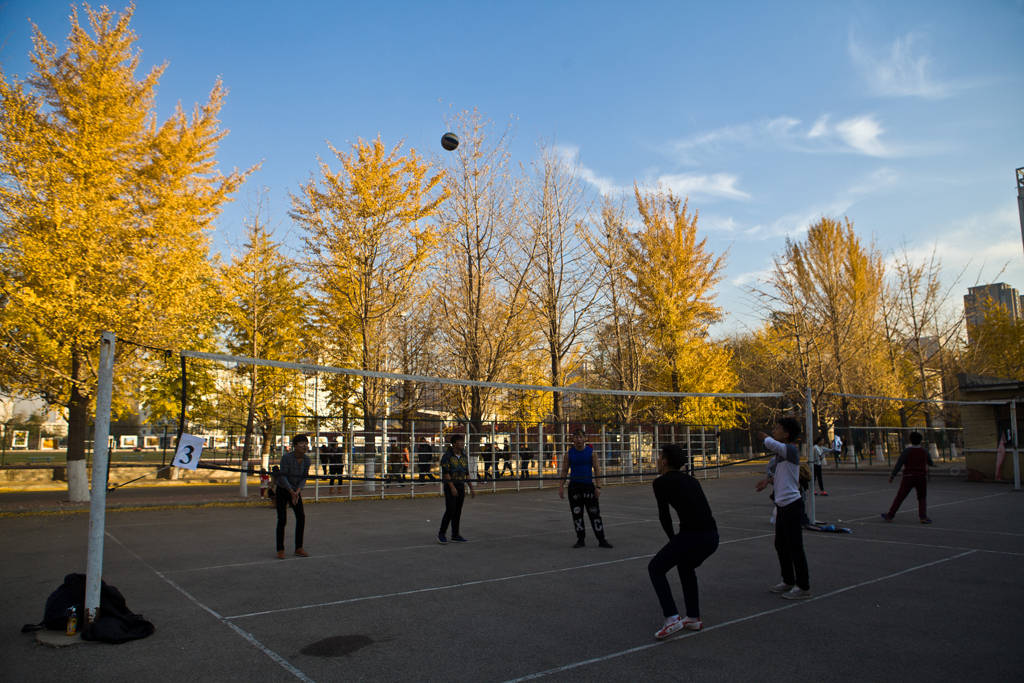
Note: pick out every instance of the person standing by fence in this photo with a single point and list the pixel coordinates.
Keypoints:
(818, 463)
(424, 459)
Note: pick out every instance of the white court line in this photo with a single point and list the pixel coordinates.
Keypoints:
(938, 546)
(792, 605)
(979, 531)
(284, 663)
(392, 549)
(478, 582)
(940, 505)
(770, 532)
(817, 504)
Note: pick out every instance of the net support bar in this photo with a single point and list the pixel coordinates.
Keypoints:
(904, 399)
(310, 367)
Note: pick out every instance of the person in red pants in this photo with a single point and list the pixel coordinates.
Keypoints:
(914, 460)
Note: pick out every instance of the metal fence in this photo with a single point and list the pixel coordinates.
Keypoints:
(398, 461)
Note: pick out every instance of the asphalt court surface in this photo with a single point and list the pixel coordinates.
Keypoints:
(379, 599)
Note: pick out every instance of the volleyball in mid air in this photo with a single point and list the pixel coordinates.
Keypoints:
(449, 141)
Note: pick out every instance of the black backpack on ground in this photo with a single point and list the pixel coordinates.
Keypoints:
(115, 624)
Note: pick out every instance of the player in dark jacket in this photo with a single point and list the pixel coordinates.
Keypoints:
(686, 549)
(914, 460)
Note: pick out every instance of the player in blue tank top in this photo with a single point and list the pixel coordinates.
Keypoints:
(580, 467)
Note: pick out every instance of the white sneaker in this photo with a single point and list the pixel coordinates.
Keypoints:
(691, 624)
(781, 587)
(797, 593)
(672, 624)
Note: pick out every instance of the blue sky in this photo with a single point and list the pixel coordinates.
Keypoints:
(906, 116)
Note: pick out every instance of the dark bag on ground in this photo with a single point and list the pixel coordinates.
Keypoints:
(115, 623)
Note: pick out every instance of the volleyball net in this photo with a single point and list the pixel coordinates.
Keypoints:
(375, 433)
(383, 433)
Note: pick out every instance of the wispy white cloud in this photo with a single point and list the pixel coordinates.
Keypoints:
(986, 246)
(693, 185)
(753, 277)
(858, 134)
(570, 155)
(746, 134)
(820, 127)
(717, 223)
(900, 69)
(712, 185)
(795, 223)
(862, 134)
(880, 179)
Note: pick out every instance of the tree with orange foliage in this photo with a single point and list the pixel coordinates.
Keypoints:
(104, 215)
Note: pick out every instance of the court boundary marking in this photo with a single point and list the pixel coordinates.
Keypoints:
(732, 622)
(250, 638)
(464, 584)
(433, 544)
(937, 505)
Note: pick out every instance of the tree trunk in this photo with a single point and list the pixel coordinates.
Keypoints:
(78, 431)
(557, 409)
(476, 428)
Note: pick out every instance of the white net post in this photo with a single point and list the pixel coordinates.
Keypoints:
(519, 457)
(414, 465)
(385, 445)
(604, 456)
(316, 435)
(540, 455)
(718, 452)
(625, 456)
(809, 440)
(100, 465)
(350, 469)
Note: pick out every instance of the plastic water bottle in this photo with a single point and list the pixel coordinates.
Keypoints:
(72, 624)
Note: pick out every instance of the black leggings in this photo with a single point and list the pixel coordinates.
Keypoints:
(453, 508)
(585, 496)
(817, 477)
(789, 545)
(284, 499)
(686, 551)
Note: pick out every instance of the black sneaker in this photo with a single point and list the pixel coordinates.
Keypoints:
(442, 539)
(580, 543)
(460, 539)
(604, 544)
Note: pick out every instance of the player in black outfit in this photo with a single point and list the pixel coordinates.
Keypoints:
(696, 540)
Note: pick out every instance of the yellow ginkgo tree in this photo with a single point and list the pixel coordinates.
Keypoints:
(368, 233)
(104, 214)
(674, 277)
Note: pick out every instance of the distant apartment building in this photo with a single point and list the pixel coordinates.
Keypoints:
(999, 294)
